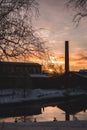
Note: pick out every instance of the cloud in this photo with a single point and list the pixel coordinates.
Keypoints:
(78, 61)
(81, 57)
(78, 58)
(58, 27)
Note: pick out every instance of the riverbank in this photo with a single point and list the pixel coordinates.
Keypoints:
(56, 125)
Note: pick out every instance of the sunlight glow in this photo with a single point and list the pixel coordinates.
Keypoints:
(50, 70)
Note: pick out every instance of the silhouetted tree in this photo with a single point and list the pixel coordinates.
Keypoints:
(17, 36)
(80, 7)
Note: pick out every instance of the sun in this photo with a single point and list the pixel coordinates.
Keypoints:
(52, 59)
(50, 70)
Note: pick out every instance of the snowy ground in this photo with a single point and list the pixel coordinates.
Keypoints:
(19, 95)
(57, 125)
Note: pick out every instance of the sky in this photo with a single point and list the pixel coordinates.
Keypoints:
(55, 25)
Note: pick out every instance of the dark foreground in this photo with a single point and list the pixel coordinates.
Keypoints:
(57, 125)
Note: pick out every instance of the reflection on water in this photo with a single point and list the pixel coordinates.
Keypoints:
(48, 114)
(73, 108)
(80, 116)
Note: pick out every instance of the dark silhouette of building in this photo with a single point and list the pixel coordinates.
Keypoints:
(14, 68)
(17, 74)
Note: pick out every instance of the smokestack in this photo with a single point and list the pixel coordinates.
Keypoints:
(66, 56)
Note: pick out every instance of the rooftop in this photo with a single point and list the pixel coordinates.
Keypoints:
(19, 63)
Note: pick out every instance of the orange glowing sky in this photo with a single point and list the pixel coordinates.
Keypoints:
(55, 25)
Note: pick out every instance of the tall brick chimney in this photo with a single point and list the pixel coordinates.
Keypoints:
(66, 56)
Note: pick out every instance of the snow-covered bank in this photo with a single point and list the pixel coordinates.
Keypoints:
(20, 95)
(57, 125)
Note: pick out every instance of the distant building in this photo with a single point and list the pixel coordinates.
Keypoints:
(17, 74)
(14, 68)
(83, 71)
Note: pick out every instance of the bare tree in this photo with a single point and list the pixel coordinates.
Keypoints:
(80, 7)
(17, 36)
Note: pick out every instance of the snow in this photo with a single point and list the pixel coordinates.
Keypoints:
(39, 76)
(57, 125)
(17, 95)
(20, 95)
(81, 75)
(39, 93)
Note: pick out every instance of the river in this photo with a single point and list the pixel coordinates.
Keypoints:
(70, 109)
(48, 114)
